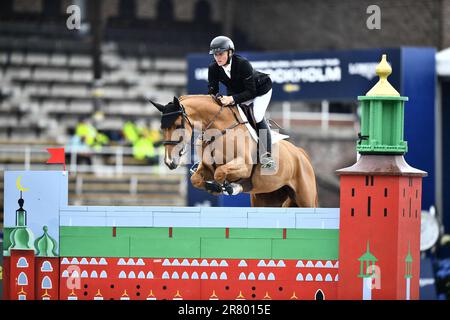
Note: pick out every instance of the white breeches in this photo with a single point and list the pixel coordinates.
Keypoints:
(260, 105)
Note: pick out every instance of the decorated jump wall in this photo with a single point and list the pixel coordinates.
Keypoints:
(367, 249)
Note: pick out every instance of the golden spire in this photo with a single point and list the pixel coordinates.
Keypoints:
(383, 87)
(213, 296)
(46, 294)
(240, 296)
(177, 296)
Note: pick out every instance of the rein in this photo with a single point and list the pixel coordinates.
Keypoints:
(206, 142)
(223, 131)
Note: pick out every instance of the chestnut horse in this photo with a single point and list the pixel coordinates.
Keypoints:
(228, 155)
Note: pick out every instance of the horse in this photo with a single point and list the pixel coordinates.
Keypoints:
(225, 168)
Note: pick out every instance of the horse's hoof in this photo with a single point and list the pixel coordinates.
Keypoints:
(194, 168)
(232, 189)
(213, 187)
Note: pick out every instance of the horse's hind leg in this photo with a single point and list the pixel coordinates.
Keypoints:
(290, 203)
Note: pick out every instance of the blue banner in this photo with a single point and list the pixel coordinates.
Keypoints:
(331, 75)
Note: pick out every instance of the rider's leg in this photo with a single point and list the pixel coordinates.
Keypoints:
(260, 105)
(265, 138)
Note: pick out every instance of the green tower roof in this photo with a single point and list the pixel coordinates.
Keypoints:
(21, 239)
(367, 256)
(409, 256)
(382, 117)
(45, 245)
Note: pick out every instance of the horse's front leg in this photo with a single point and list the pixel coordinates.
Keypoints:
(234, 170)
(202, 178)
(197, 178)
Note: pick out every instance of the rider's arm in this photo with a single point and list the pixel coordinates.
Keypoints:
(213, 80)
(246, 73)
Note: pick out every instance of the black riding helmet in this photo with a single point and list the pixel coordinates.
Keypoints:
(221, 44)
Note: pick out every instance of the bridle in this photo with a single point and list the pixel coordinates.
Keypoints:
(185, 118)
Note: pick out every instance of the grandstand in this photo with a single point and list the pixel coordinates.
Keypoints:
(49, 84)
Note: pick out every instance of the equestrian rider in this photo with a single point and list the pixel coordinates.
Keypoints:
(244, 85)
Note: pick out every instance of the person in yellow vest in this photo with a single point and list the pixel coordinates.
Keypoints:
(90, 135)
(130, 132)
(143, 148)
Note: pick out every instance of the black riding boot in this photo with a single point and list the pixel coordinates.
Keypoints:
(265, 144)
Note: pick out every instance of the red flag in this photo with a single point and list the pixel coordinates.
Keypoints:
(57, 156)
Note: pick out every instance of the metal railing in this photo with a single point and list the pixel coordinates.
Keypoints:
(324, 116)
(34, 157)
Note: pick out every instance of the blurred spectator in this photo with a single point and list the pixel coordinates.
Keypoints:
(88, 134)
(130, 132)
(77, 145)
(143, 148)
(143, 141)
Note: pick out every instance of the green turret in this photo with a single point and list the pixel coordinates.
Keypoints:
(21, 237)
(46, 245)
(369, 260)
(408, 263)
(382, 117)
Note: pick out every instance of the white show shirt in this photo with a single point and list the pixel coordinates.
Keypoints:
(227, 69)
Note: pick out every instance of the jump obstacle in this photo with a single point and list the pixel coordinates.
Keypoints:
(366, 249)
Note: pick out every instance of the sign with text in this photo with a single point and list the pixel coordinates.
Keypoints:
(332, 75)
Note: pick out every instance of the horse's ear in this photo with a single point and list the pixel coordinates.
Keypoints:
(176, 101)
(158, 106)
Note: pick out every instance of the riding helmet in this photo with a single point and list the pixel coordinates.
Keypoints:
(221, 44)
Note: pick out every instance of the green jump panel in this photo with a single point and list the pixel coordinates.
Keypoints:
(236, 248)
(256, 233)
(195, 233)
(165, 248)
(312, 234)
(85, 231)
(306, 249)
(94, 246)
(142, 232)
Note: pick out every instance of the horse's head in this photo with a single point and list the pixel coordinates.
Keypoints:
(175, 131)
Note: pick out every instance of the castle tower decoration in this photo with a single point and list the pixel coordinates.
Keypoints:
(31, 267)
(19, 260)
(380, 204)
(367, 272)
(47, 267)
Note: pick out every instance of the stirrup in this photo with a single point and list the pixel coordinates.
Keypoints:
(267, 161)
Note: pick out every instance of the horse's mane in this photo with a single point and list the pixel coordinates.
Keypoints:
(196, 96)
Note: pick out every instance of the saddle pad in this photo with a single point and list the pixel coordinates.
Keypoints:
(276, 136)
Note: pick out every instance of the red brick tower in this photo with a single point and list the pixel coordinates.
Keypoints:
(379, 245)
